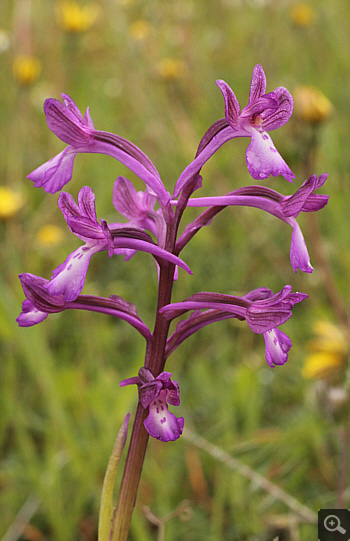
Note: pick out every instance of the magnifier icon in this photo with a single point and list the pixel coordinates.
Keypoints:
(332, 524)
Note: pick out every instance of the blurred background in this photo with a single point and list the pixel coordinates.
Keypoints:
(147, 70)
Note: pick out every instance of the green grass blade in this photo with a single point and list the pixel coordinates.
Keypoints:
(106, 507)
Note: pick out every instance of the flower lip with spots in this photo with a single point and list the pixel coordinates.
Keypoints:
(156, 394)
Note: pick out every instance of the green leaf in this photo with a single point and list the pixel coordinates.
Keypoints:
(106, 507)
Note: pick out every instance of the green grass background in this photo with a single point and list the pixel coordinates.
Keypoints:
(61, 405)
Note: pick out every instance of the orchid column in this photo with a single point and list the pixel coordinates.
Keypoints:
(153, 221)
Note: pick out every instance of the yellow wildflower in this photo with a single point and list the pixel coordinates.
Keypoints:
(10, 202)
(140, 30)
(49, 236)
(311, 105)
(171, 69)
(329, 351)
(329, 338)
(302, 15)
(321, 364)
(74, 18)
(26, 69)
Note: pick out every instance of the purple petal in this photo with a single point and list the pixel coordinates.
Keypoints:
(35, 289)
(262, 320)
(86, 201)
(81, 219)
(160, 423)
(232, 106)
(264, 315)
(321, 180)
(258, 84)
(138, 207)
(148, 199)
(316, 201)
(173, 394)
(259, 294)
(87, 230)
(69, 277)
(282, 296)
(275, 118)
(65, 121)
(292, 205)
(67, 205)
(55, 173)
(299, 256)
(264, 160)
(145, 375)
(72, 109)
(277, 347)
(257, 107)
(150, 391)
(130, 381)
(30, 315)
(125, 198)
(164, 376)
(285, 208)
(87, 119)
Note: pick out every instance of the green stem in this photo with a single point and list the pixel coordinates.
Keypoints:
(154, 360)
(131, 478)
(139, 437)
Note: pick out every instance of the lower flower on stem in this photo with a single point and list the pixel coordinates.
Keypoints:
(157, 393)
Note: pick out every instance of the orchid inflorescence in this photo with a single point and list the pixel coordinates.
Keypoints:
(155, 230)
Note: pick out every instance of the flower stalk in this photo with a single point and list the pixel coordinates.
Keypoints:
(154, 360)
(131, 478)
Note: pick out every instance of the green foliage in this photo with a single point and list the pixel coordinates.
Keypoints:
(61, 404)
